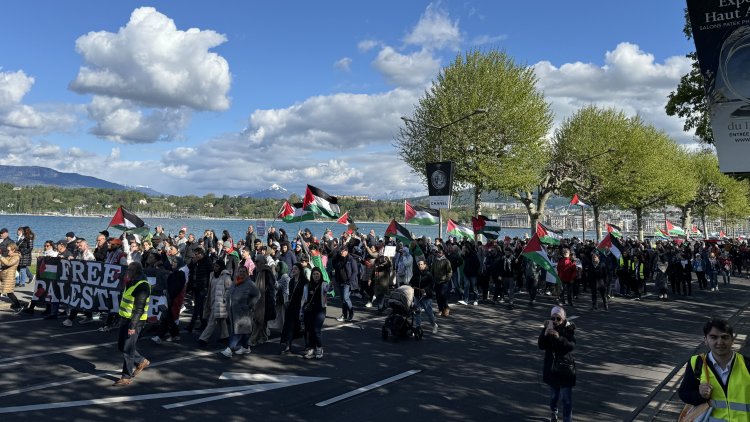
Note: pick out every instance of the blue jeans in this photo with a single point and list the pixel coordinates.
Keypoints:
(712, 280)
(347, 310)
(442, 292)
(456, 281)
(470, 286)
(727, 274)
(23, 276)
(426, 305)
(236, 340)
(567, 401)
(314, 327)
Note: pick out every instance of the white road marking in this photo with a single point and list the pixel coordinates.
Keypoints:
(368, 387)
(279, 381)
(74, 332)
(20, 320)
(72, 349)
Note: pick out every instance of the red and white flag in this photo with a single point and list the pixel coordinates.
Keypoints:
(577, 201)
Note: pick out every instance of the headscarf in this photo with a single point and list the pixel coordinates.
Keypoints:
(559, 311)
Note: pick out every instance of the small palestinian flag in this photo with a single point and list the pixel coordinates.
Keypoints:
(616, 231)
(128, 222)
(673, 230)
(660, 234)
(420, 215)
(482, 225)
(696, 232)
(320, 202)
(577, 201)
(46, 270)
(316, 260)
(547, 235)
(611, 244)
(294, 213)
(399, 232)
(457, 230)
(537, 253)
(345, 219)
(722, 235)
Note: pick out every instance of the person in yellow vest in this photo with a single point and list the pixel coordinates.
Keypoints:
(727, 388)
(134, 312)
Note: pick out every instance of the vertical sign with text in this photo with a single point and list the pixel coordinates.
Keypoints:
(440, 184)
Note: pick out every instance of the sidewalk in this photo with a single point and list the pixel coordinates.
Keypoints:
(665, 406)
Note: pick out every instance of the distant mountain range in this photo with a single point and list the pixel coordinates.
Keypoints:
(273, 192)
(33, 175)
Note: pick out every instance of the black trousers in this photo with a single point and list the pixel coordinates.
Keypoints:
(127, 345)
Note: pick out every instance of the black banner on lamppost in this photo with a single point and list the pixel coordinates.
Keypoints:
(440, 184)
(721, 30)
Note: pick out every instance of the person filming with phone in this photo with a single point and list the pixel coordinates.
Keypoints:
(558, 340)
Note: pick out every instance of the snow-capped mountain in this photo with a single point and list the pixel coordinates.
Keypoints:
(273, 192)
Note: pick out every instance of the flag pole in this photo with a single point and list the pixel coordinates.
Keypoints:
(583, 224)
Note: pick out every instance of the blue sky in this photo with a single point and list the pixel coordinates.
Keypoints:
(228, 97)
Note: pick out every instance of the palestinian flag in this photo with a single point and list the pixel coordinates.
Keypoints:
(128, 222)
(660, 234)
(46, 270)
(673, 230)
(577, 201)
(420, 215)
(345, 219)
(316, 260)
(399, 232)
(695, 231)
(722, 235)
(482, 224)
(294, 213)
(457, 230)
(537, 253)
(320, 202)
(547, 235)
(614, 230)
(611, 244)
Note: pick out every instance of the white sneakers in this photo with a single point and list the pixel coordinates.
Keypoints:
(434, 328)
(67, 322)
(241, 351)
(316, 353)
(475, 303)
(462, 302)
(156, 339)
(368, 305)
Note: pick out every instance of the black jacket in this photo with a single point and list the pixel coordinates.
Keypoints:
(560, 347)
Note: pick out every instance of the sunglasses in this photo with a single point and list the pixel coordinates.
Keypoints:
(556, 318)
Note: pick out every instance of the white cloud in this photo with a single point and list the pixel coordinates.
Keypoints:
(629, 80)
(13, 87)
(122, 121)
(343, 64)
(148, 76)
(17, 118)
(367, 45)
(435, 30)
(412, 70)
(151, 62)
(488, 39)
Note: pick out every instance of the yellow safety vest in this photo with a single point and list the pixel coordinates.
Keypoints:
(127, 302)
(735, 405)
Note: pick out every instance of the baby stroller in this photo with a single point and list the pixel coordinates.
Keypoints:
(400, 322)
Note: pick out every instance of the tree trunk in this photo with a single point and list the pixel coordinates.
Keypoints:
(703, 223)
(686, 220)
(639, 222)
(597, 224)
(477, 199)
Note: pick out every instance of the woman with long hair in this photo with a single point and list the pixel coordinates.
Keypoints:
(215, 309)
(8, 265)
(243, 295)
(25, 247)
(314, 314)
(297, 283)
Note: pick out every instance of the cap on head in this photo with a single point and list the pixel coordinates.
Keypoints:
(105, 233)
(70, 234)
(3, 230)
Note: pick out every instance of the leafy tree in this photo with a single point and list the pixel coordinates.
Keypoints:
(689, 100)
(500, 149)
(590, 138)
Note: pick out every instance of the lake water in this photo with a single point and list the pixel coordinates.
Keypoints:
(54, 227)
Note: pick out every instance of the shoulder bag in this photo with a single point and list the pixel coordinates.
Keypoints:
(702, 412)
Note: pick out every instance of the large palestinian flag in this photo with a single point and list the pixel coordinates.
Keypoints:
(457, 230)
(419, 215)
(611, 244)
(294, 213)
(673, 230)
(547, 235)
(660, 234)
(399, 232)
(128, 222)
(537, 253)
(319, 202)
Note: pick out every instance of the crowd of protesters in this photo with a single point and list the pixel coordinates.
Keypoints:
(239, 289)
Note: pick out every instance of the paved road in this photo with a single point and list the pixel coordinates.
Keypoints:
(482, 365)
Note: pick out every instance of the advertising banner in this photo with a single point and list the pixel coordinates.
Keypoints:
(721, 30)
(440, 184)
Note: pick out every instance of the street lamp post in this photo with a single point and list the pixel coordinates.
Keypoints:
(440, 129)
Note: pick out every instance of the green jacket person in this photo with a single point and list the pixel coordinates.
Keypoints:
(134, 312)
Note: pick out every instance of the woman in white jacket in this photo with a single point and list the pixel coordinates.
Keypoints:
(215, 308)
